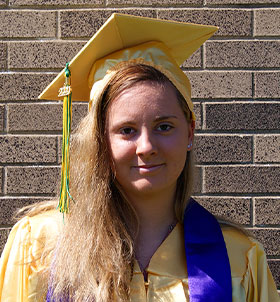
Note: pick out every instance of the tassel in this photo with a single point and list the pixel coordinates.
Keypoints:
(66, 92)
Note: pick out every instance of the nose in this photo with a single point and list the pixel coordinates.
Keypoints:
(146, 144)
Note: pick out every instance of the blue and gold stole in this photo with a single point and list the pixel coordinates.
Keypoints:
(209, 275)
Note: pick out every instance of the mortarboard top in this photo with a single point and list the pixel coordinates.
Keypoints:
(123, 31)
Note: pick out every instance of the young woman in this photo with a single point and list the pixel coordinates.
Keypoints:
(133, 232)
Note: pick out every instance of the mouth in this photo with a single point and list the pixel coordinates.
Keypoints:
(148, 168)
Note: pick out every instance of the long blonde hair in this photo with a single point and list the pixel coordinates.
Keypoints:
(93, 257)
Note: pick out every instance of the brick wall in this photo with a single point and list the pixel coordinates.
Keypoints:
(236, 88)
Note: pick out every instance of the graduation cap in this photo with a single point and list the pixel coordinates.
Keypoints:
(123, 39)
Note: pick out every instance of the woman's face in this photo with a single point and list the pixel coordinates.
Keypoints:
(148, 136)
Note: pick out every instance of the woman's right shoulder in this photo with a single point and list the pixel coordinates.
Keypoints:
(35, 232)
(27, 254)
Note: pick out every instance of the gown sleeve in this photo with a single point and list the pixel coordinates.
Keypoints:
(251, 278)
(26, 258)
(258, 279)
(15, 264)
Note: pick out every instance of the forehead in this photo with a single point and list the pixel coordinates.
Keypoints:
(146, 98)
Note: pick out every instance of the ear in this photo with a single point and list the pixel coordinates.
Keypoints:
(190, 135)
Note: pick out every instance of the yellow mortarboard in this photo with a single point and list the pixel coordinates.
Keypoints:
(124, 39)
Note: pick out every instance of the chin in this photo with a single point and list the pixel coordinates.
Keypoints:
(147, 187)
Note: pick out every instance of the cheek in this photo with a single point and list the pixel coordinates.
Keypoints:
(121, 150)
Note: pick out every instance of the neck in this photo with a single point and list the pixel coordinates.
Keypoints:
(154, 210)
(156, 214)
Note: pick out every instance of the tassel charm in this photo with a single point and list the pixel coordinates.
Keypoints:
(66, 93)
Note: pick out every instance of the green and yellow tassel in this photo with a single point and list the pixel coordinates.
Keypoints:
(66, 93)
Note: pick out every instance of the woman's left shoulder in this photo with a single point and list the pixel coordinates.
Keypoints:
(251, 277)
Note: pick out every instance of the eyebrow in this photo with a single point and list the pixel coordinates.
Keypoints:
(165, 117)
(157, 119)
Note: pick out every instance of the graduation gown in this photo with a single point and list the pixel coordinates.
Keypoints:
(22, 265)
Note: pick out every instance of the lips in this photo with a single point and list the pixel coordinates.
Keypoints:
(148, 168)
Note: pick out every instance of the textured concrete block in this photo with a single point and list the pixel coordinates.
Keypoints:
(24, 149)
(267, 84)
(270, 238)
(232, 208)
(27, 24)
(197, 180)
(237, 54)
(154, 2)
(219, 84)
(41, 117)
(2, 110)
(274, 266)
(197, 112)
(1, 175)
(55, 2)
(231, 22)
(42, 54)
(267, 22)
(32, 180)
(4, 233)
(84, 23)
(194, 61)
(223, 148)
(3, 55)
(267, 148)
(23, 86)
(242, 179)
(267, 211)
(243, 116)
(9, 206)
(222, 2)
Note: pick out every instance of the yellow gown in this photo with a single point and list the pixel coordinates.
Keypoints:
(22, 265)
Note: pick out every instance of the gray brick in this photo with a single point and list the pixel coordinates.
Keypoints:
(267, 211)
(83, 23)
(267, 84)
(197, 180)
(232, 208)
(154, 3)
(243, 116)
(42, 54)
(194, 61)
(197, 112)
(27, 24)
(2, 110)
(24, 149)
(3, 55)
(242, 179)
(248, 54)
(267, 22)
(41, 117)
(55, 2)
(223, 148)
(274, 266)
(9, 206)
(223, 2)
(1, 173)
(270, 238)
(219, 84)
(267, 148)
(23, 86)
(4, 233)
(32, 180)
(231, 22)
